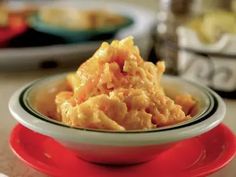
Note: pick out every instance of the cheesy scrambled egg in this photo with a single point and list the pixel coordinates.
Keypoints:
(117, 90)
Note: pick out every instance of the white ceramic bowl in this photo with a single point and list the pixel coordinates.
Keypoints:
(114, 147)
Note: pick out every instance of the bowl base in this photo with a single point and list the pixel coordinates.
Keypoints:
(117, 155)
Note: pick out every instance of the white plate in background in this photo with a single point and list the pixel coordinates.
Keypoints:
(66, 54)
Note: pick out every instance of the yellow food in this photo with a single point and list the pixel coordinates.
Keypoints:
(117, 90)
(3, 16)
(188, 104)
(72, 18)
(212, 25)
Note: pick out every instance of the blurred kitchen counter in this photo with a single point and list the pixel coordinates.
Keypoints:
(12, 166)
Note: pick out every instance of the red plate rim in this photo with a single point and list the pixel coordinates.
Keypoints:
(206, 170)
(17, 150)
(223, 160)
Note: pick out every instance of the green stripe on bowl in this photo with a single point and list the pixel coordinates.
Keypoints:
(24, 102)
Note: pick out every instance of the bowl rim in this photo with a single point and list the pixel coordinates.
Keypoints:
(208, 120)
(25, 103)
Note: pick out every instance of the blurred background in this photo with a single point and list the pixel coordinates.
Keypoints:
(64, 33)
(196, 38)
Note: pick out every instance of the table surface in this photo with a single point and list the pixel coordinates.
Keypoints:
(12, 166)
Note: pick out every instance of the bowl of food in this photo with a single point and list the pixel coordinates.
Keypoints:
(117, 108)
(76, 25)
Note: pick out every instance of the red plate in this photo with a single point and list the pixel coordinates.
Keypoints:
(198, 156)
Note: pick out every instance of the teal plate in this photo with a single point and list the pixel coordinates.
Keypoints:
(74, 36)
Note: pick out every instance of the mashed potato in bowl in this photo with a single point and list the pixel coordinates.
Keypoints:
(117, 90)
